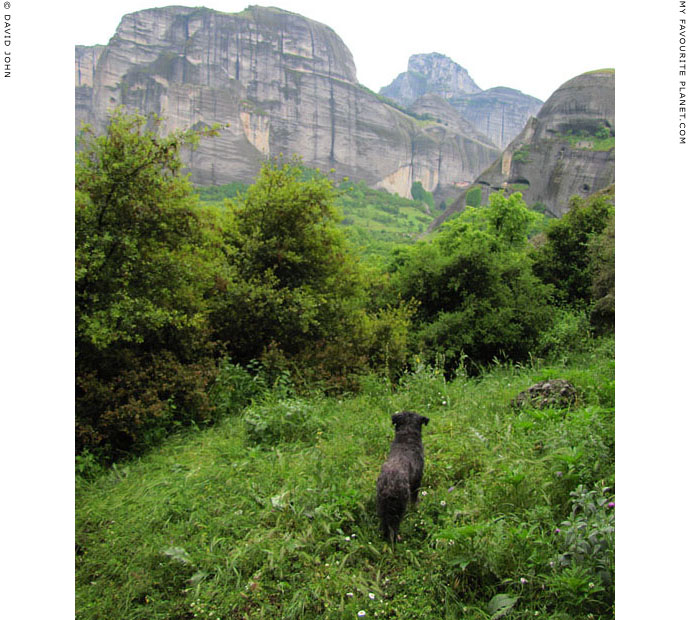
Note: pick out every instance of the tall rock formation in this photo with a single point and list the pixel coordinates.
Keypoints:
(567, 149)
(430, 73)
(499, 113)
(283, 84)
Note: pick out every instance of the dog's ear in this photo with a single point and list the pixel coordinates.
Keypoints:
(425, 420)
(395, 419)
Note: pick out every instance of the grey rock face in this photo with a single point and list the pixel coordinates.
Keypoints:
(282, 84)
(430, 73)
(499, 113)
(558, 153)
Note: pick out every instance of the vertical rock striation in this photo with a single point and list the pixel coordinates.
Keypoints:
(282, 84)
(499, 113)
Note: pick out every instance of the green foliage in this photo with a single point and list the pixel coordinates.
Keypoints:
(235, 387)
(295, 282)
(596, 139)
(275, 517)
(143, 355)
(295, 295)
(273, 422)
(419, 193)
(582, 576)
(522, 154)
(603, 265)
(473, 198)
(478, 299)
(565, 260)
(376, 221)
(570, 333)
(215, 194)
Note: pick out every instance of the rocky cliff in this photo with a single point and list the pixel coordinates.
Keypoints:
(283, 84)
(499, 113)
(567, 149)
(430, 73)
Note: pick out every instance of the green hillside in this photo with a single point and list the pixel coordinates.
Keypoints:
(239, 353)
(270, 514)
(375, 221)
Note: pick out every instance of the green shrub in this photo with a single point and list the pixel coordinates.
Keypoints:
(419, 193)
(142, 279)
(473, 198)
(565, 260)
(569, 334)
(235, 387)
(582, 576)
(478, 298)
(603, 261)
(272, 422)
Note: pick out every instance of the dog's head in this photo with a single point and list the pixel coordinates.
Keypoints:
(409, 419)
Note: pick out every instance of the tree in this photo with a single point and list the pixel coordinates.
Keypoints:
(419, 193)
(143, 355)
(298, 289)
(565, 260)
(473, 198)
(603, 260)
(478, 298)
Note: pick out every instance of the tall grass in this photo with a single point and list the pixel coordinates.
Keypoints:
(270, 514)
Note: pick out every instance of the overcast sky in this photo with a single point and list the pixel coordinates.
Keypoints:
(533, 46)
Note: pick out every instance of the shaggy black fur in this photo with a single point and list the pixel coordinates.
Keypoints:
(401, 474)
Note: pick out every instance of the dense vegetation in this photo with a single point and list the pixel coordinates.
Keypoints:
(374, 221)
(254, 316)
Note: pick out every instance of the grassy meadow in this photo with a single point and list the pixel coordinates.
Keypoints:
(270, 513)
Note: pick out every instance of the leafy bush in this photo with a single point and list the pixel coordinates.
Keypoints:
(295, 281)
(272, 422)
(565, 260)
(419, 193)
(583, 571)
(235, 387)
(473, 198)
(478, 298)
(570, 333)
(603, 261)
(295, 296)
(143, 351)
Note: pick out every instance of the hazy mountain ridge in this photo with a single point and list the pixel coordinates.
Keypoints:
(500, 113)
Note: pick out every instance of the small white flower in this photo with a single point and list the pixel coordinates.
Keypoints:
(349, 594)
(347, 538)
(523, 580)
(423, 493)
(372, 596)
(443, 502)
(361, 613)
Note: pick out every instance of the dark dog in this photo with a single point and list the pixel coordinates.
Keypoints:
(401, 474)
